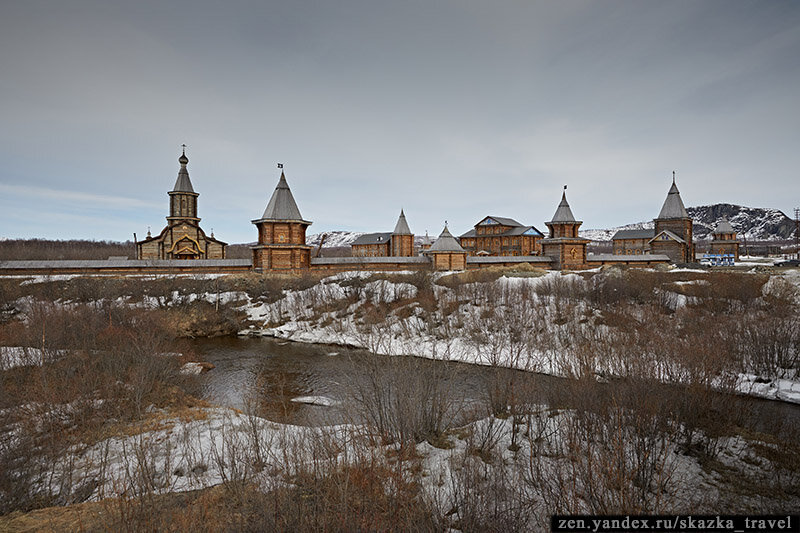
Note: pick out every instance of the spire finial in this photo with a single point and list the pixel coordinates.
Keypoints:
(673, 177)
(565, 187)
(183, 159)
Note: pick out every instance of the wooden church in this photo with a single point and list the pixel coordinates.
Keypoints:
(182, 238)
(671, 235)
(673, 229)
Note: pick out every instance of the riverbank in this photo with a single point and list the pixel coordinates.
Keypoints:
(645, 354)
(622, 327)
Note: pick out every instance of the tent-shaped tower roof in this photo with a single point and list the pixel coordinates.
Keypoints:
(563, 212)
(723, 227)
(281, 205)
(401, 228)
(446, 243)
(183, 183)
(673, 206)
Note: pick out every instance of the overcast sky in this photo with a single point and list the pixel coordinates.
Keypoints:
(452, 110)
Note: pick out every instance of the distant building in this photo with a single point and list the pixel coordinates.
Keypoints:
(182, 238)
(673, 229)
(398, 243)
(563, 245)
(281, 233)
(724, 240)
(671, 236)
(426, 243)
(372, 245)
(632, 241)
(494, 236)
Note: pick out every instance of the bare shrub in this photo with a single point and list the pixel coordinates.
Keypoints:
(562, 287)
(406, 399)
(487, 497)
(103, 365)
(608, 456)
(769, 346)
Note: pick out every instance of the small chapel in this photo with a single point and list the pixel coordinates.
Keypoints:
(182, 238)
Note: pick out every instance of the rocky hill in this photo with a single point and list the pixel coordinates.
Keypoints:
(755, 223)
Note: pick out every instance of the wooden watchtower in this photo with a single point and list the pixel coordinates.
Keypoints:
(281, 233)
(724, 240)
(563, 245)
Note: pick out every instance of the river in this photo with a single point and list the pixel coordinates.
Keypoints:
(265, 375)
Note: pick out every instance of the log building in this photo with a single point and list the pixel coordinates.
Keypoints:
(182, 238)
(399, 243)
(671, 236)
(281, 233)
(446, 253)
(494, 236)
(673, 229)
(563, 245)
(632, 241)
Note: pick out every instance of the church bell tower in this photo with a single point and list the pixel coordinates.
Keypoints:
(182, 198)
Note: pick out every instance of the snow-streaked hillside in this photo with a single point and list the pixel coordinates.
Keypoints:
(755, 223)
(333, 239)
(607, 234)
(336, 239)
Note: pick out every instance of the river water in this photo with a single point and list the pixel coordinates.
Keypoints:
(265, 375)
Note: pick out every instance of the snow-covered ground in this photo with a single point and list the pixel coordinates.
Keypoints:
(773, 389)
(46, 278)
(14, 356)
(223, 445)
